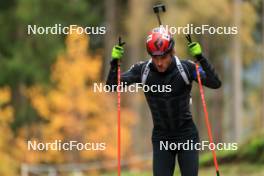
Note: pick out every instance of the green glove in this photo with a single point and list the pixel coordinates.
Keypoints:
(117, 52)
(195, 49)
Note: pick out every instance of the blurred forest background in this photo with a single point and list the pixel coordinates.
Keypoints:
(46, 84)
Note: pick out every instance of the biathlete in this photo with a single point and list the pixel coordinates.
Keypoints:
(170, 111)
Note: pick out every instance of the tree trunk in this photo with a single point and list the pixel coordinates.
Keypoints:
(262, 64)
(237, 77)
(110, 36)
(135, 47)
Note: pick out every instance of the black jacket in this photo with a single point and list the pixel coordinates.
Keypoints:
(171, 113)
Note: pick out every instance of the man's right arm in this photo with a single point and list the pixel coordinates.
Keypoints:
(133, 75)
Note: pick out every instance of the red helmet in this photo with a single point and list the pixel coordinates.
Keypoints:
(159, 42)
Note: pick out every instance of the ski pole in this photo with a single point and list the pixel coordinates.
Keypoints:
(209, 131)
(157, 9)
(120, 43)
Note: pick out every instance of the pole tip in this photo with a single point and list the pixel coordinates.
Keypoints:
(217, 173)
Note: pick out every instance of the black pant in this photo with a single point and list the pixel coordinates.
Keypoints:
(164, 160)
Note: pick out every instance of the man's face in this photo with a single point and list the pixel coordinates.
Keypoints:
(162, 62)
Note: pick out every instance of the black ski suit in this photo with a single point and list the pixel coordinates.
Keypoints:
(171, 113)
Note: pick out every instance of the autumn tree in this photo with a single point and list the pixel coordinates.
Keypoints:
(71, 110)
(8, 164)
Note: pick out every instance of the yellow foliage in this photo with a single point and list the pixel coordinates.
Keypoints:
(6, 110)
(8, 164)
(74, 111)
(5, 95)
(38, 101)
